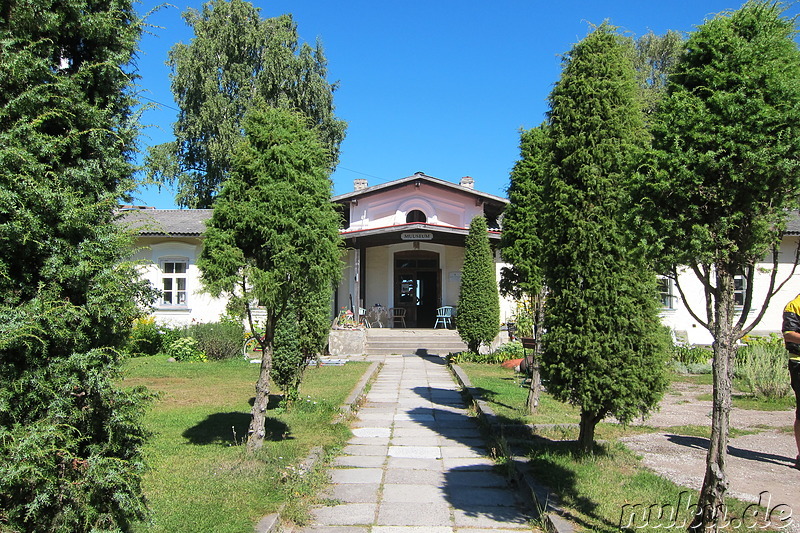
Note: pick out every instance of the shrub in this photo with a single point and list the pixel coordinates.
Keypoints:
(761, 369)
(145, 338)
(185, 349)
(218, 340)
(476, 357)
(690, 354)
(510, 350)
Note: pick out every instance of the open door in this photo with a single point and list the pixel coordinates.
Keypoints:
(417, 287)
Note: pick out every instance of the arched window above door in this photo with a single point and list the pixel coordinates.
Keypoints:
(416, 216)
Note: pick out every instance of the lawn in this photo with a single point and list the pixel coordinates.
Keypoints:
(593, 489)
(200, 477)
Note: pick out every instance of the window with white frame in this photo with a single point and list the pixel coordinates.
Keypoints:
(666, 292)
(173, 282)
(739, 289)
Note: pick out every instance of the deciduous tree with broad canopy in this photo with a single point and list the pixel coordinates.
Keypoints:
(273, 239)
(724, 175)
(70, 435)
(478, 318)
(604, 347)
(236, 61)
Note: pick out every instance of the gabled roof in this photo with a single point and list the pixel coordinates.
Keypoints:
(792, 224)
(419, 176)
(166, 222)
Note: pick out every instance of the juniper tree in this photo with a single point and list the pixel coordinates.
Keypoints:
(70, 436)
(724, 175)
(236, 61)
(273, 239)
(478, 318)
(604, 345)
(521, 243)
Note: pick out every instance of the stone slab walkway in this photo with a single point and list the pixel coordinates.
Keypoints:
(416, 462)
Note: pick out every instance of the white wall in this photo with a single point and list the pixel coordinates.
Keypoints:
(200, 307)
(681, 320)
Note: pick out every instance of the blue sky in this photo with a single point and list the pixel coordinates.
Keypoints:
(438, 86)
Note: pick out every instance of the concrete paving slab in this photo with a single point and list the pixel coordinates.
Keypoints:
(482, 497)
(412, 529)
(361, 461)
(369, 441)
(413, 514)
(415, 452)
(422, 477)
(427, 440)
(365, 449)
(357, 475)
(463, 451)
(463, 464)
(353, 492)
(457, 478)
(410, 463)
(414, 431)
(397, 493)
(347, 514)
(490, 517)
(333, 529)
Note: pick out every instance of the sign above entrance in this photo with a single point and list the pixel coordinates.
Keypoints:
(416, 236)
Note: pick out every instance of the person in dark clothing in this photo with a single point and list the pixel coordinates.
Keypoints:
(791, 335)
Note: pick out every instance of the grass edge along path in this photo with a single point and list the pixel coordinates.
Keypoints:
(602, 492)
(200, 477)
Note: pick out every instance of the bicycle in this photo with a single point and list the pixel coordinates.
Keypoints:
(251, 349)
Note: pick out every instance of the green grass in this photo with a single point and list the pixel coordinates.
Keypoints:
(595, 488)
(201, 477)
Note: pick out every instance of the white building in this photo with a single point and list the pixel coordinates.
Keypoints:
(405, 249)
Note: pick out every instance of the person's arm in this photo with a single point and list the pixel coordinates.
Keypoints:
(791, 336)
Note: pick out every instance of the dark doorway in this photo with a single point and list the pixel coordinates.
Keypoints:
(417, 289)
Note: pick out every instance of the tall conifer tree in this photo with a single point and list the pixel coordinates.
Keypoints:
(603, 346)
(70, 438)
(478, 318)
(273, 240)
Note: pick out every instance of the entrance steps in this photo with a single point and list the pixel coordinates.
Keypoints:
(391, 341)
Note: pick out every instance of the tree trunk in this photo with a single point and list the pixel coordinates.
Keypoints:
(589, 420)
(536, 384)
(715, 483)
(256, 433)
(536, 378)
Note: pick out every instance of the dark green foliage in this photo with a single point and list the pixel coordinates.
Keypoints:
(724, 175)
(218, 340)
(722, 184)
(287, 358)
(604, 347)
(478, 318)
(145, 338)
(70, 440)
(273, 240)
(521, 242)
(235, 62)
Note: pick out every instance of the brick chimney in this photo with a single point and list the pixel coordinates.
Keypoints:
(467, 182)
(359, 184)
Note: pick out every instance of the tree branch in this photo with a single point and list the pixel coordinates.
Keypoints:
(674, 275)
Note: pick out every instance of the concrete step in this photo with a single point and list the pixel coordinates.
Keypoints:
(389, 341)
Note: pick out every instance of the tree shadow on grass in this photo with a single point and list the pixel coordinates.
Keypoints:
(230, 429)
(545, 465)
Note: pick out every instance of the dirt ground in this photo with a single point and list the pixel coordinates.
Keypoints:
(758, 465)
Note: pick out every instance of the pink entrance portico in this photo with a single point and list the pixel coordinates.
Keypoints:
(405, 243)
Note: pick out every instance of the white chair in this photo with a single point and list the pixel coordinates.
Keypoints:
(444, 316)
